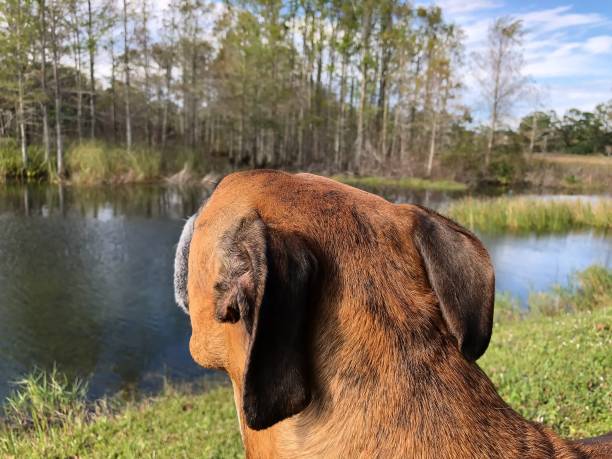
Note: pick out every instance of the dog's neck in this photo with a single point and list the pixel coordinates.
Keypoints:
(388, 404)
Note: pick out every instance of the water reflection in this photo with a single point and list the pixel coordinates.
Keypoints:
(102, 203)
(531, 263)
(85, 279)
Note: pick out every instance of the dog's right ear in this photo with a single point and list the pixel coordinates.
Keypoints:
(266, 284)
(461, 274)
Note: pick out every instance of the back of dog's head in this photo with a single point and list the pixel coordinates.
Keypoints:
(285, 270)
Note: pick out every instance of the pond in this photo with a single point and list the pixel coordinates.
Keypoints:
(86, 280)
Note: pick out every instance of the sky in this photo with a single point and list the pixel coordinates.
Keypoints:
(568, 47)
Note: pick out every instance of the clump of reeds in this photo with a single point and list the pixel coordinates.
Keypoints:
(528, 214)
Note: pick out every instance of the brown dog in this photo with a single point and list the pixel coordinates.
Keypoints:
(348, 325)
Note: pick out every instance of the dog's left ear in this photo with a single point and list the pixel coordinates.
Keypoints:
(268, 284)
(461, 274)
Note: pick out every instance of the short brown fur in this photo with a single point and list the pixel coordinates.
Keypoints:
(385, 374)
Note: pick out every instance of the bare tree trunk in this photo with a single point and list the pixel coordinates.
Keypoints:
(432, 143)
(113, 91)
(412, 119)
(338, 141)
(21, 118)
(382, 112)
(126, 59)
(43, 80)
(383, 133)
(92, 81)
(77, 64)
(57, 90)
(533, 134)
(365, 44)
(20, 89)
(491, 137)
(495, 102)
(145, 50)
(194, 102)
(166, 106)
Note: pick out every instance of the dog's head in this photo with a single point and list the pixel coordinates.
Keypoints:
(271, 257)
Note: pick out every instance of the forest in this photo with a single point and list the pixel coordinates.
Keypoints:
(361, 86)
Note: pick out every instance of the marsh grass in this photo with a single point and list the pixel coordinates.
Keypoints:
(528, 214)
(411, 183)
(96, 162)
(11, 164)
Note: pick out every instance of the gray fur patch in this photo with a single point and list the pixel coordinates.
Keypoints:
(181, 265)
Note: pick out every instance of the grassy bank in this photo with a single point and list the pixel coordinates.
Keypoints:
(531, 214)
(411, 183)
(97, 162)
(552, 364)
(51, 420)
(569, 172)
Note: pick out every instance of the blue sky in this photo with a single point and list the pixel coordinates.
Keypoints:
(568, 47)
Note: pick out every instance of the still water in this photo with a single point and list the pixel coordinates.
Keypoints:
(86, 280)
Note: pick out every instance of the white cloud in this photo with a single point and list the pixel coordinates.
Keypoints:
(601, 44)
(582, 97)
(544, 21)
(454, 7)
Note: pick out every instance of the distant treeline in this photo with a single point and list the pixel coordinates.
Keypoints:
(357, 85)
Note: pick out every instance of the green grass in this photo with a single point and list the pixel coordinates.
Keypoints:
(556, 370)
(528, 214)
(411, 183)
(552, 364)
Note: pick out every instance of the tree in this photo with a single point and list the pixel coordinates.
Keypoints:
(57, 38)
(44, 103)
(126, 70)
(499, 71)
(99, 21)
(77, 51)
(365, 32)
(15, 44)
